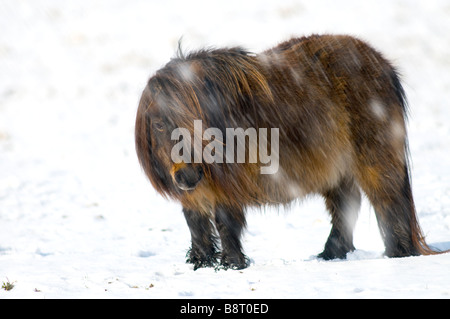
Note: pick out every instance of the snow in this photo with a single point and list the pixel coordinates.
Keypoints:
(78, 218)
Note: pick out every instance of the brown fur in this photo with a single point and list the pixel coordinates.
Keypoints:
(340, 110)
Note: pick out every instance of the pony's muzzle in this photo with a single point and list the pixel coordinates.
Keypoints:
(187, 176)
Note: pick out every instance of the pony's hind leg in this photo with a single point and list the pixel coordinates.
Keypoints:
(394, 207)
(343, 203)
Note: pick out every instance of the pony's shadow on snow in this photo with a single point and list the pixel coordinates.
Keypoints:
(357, 254)
(441, 246)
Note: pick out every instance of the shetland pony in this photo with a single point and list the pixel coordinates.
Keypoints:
(340, 111)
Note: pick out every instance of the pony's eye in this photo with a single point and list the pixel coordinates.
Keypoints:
(158, 126)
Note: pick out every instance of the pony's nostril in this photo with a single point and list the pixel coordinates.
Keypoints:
(187, 178)
(179, 177)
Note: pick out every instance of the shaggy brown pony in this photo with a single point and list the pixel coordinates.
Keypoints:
(340, 110)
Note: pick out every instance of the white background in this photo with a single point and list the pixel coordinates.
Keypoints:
(78, 219)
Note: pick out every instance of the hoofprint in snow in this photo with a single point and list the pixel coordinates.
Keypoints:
(78, 217)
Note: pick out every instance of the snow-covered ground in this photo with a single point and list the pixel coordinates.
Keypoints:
(78, 219)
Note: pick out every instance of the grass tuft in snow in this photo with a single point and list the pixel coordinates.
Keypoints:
(7, 285)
